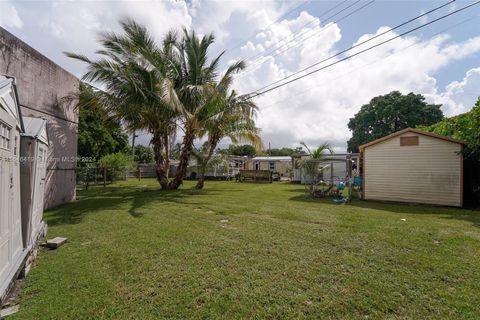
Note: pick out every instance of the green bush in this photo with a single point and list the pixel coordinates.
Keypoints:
(116, 164)
(465, 127)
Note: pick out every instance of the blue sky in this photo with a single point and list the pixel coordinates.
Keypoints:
(444, 67)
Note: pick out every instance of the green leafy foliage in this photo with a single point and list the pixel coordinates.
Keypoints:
(311, 164)
(98, 134)
(143, 154)
(389, 113)
(159, 87)
(117, 164)
(465, 126)
(278, 152)
(239, 150)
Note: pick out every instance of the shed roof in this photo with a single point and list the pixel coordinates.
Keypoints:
(9, 99)
(36, 128)
(412, 130)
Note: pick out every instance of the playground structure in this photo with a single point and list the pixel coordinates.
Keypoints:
(337, 176)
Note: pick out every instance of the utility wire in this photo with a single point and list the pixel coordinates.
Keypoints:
(257, 93)
(255, 57)
(359, 44)
(268, 106)
(326, 27)
(259, 62)
(238, 45)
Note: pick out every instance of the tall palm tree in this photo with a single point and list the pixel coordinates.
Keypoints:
(159, 88)
(197, 92)
(234, 119)
(138, 77)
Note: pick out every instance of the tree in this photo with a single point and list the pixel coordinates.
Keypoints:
(311, 163)
(159, 88)
(232, 118)
(199, 95)
(116, 164)
(389, 113)
(138, 77)
(98, 133)
(143, 154)
(239, 150)
(286, 152)
(464, 127)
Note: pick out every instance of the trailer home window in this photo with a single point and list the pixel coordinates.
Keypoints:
(271, 165)
(5, 132)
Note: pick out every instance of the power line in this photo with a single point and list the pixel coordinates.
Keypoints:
(361, 43)
(366, 65)
(256, 56)
(268, 26)
(256, 93)
(308, 37)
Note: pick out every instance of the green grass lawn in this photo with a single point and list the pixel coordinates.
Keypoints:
(252, 251)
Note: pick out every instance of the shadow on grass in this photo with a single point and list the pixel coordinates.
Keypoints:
(116, 198)
(472, 216)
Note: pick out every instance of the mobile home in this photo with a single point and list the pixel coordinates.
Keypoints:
(280, 164)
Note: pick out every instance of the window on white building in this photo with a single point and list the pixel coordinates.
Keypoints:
(5, 132)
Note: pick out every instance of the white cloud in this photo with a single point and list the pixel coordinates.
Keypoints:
(9, 16)
(459, 96)
(318, 107)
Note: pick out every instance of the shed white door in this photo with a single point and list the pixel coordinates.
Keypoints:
(39, 187)
(11, 244)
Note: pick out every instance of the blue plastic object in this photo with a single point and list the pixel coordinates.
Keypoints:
(340, 185)
(357, 181)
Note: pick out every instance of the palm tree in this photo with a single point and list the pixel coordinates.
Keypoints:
(233, 119)
(197, 92)
(160, 88)
(138, 77)
(312, 162)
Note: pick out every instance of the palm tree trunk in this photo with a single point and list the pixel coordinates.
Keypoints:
(201, 177)
(162, 175)
(188, 139)
(212, 144)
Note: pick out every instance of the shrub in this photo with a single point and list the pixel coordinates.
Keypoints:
(117, 164)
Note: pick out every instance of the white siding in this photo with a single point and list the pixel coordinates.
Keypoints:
(11, 246)
(428, 173)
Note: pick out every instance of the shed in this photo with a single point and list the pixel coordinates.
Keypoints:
(11, 246)
(33, 148)
(414, 166)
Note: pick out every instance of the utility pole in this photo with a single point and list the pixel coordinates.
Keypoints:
(269, 153)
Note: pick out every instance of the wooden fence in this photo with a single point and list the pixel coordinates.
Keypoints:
(257, 176)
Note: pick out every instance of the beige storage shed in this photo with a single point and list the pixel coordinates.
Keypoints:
(414, 166)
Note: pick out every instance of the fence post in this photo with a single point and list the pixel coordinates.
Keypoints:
(104, 176)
